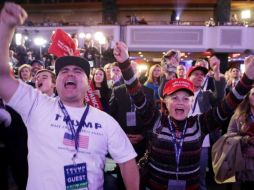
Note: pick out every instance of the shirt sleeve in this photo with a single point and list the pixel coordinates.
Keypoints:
(119, 145)
(24, 100)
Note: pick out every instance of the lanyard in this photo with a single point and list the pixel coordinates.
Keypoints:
(251, 117)
(178, 143)
(133, 107)
(196, 101)
(205, 83)
(75, 134)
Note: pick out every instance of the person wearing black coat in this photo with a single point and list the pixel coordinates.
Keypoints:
(14, 151)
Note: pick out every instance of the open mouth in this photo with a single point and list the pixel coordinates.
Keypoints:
(39, 85)
(70, 83)
(179, 110)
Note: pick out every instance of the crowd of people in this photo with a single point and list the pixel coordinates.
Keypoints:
(61, 123)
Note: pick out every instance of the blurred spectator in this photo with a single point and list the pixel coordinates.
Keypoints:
(234, 77)
(36, 66)
(49, 62)
(116, 76)
(181, 71)
(25, 73)
(107, 69)
(133, 19)
(234, 19)
(169, 62)
(209, 79)
(74, 36)
(13, 60)
(153, 82)
(21, 53)
(13, 149)
(210, 22)
(242, 124)
(142, 21)
(30, 56)
(102, 91)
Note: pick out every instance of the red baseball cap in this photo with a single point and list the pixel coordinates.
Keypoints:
(194, 68)
(178, 84)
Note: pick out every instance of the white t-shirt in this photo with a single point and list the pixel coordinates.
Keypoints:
(47, 152)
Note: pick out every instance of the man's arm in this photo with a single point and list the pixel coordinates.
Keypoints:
(130, 174)
(11, 16)
(217, 116)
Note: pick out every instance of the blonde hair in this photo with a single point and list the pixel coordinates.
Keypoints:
(150, 77)
(22, 67)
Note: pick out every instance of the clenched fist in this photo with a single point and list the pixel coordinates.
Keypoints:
(249, 67)
(12, 15)
(121, 52)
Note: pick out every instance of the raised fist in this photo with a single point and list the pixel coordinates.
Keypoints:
(12, 15)
(249, 67)
(121, 52)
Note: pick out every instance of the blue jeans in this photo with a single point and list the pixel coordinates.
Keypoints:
(203, 166)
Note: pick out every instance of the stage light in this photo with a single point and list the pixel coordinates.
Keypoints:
(98, 35)
(39, 41)
(82, 35)
(18, 39)
(245, 14)
(142, 68)
(88, 36)
(234, 55)
(103, 40)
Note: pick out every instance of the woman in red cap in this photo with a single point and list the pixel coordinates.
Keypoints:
(173, 160)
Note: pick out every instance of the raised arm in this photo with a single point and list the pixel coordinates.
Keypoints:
(219, 82)
(11, 16)
(144, 108)
(218, 115)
